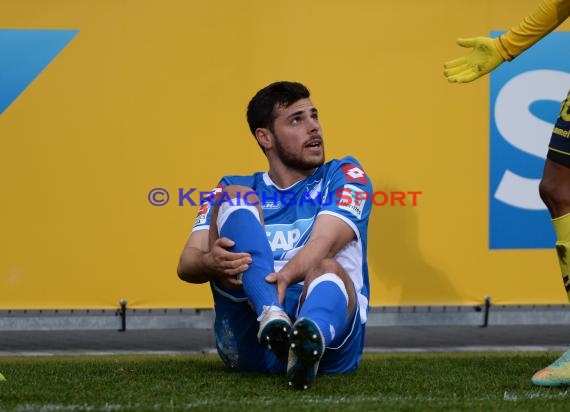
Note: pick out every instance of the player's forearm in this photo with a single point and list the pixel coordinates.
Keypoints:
(309, 257)
(548, 15)
(192, 266)
(329, 236)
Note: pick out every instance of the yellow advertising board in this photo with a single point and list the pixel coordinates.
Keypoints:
(146, 94)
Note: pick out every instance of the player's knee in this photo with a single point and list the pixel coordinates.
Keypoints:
(237, 192)
(239, 195)
(554, 189)
(554, 193)
(328, 265)
(336, 273)
(242, 197)
(545, 190)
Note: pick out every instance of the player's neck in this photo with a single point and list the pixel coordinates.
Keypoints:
(284, 177)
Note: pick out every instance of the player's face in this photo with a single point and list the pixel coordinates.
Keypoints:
(297, 136)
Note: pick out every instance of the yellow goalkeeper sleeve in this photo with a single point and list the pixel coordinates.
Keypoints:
(549, 15)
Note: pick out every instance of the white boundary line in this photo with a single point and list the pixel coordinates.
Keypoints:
(381, 400)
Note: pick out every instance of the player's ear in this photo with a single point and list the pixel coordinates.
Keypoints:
(263, 137)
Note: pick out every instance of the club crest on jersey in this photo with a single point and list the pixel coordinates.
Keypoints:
(315, 189)
(354, 173)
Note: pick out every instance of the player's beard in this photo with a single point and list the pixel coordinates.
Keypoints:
(297, 162)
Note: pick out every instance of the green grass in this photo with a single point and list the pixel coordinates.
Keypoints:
(391, 382)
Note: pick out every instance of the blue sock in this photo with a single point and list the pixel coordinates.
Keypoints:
(249, 236)
(327, 305)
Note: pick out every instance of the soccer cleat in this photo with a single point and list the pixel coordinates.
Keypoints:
(555, 374)
(305, 353)
(274, 328)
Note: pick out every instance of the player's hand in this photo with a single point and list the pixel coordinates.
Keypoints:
(282, 280)
(227, 265)
(483, 59)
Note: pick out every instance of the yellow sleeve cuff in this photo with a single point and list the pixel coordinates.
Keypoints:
(502, 49)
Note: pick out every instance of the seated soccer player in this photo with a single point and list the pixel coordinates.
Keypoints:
(285, 250)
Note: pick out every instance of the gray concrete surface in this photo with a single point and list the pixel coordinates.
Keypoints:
(421, 328)
(200, 340)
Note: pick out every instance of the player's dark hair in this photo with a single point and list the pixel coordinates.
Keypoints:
(261, 108)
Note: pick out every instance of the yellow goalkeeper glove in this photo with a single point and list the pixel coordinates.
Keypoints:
(483, 58)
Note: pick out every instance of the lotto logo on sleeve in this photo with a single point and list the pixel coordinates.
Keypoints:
(217, 190)
(354, 173)
(525, 103)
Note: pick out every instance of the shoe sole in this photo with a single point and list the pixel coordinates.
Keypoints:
(275, 336)
(550, 383)
(306, 350)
